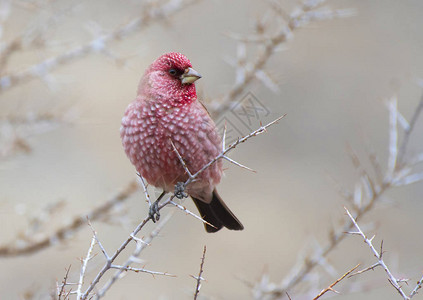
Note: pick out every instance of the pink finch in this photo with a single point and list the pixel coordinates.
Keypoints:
(166, 111)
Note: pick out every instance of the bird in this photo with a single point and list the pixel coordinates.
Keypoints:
(165, 127)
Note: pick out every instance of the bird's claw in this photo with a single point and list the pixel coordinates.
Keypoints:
(154, 212)
(180, 190)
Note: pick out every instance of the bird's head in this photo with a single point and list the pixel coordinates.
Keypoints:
(172, 78)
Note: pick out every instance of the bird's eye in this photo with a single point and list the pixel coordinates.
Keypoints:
(172, 72)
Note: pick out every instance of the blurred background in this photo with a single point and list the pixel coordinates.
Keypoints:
(61, 154)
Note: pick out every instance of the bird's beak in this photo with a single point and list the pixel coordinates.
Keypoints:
(190, 75)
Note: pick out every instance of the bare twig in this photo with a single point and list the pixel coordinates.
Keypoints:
(393, 136)
(199, 278)
(192, 177)
(407, 132)
(238, 164)
(144, 186)
(394, 282)
(372, 267)
(183, 208)
(181, 160)
(141, 270)
(141, 245)
(232, 146)
(363, 203)
(107, 256)
(417, 288)
(62, 293)
(330, 287)
(84, 268)
(109, 262)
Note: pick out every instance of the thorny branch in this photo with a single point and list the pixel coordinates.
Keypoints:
(380, 262)
(394, 282)
(84, 267)
(372, 267)
(110, 259)
(183, 208)
(62, 294)
(407, 132)
(78, 221)
(417, 288)
(368, 192)
(330, 287)
(232, 146)
(244, 78)
(305, 14)
(141, 244)
(199, 278)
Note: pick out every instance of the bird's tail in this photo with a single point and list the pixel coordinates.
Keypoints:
(218, 214)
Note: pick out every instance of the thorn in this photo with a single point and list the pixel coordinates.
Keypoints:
(224, 138)
(238, 164)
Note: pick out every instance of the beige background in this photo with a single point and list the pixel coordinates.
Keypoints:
(333, 77)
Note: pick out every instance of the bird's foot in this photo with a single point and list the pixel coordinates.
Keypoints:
(180, 190)
(154, 209)
(154, 212)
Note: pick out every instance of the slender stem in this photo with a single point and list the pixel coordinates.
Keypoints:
(403, 148)
(109, 262)
(199, 277)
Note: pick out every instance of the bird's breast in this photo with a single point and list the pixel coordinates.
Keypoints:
(148, 132)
